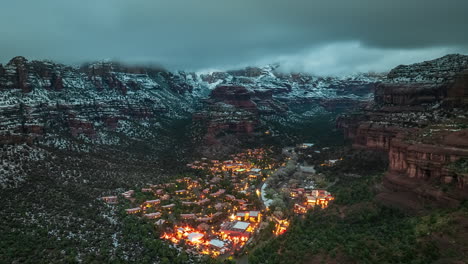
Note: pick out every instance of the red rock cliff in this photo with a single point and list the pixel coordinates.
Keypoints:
(419, 117)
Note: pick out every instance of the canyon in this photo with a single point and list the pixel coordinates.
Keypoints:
(69, 134)
(111, 104)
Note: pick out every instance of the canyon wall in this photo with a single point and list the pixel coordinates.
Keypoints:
(419, 117)
(39, 97)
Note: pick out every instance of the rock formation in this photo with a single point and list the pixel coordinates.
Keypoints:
(419, 117)
(229, 109)
(39, 96)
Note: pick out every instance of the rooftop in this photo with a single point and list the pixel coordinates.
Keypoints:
(217, 243)
(195, 237)
(254, 213)
(241, 225)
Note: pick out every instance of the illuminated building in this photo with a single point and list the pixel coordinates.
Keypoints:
(181, 192)
(253, 176)
(152, 215)
(299, 209)
(251, 216)
(168, 207)
(187, 216)
(281, 225)
(237, 231)
(254, 216)
(133, 210)
(311, 201)
(195, 238)
(151, 203)
(204, 219)
(217, 244)
(241, 216)
(293, 194)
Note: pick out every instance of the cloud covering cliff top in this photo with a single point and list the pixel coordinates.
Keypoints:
(323, 37)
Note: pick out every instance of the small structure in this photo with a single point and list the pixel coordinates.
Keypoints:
(281, 225)
(203, 227)
(160, 222)
(216, 244)
(251, 216)
(152, 215)
(195, 237)
(218, 193)
(319, 197)
(241, 201)
(305, 145)
(151, 203)
(135, 210)
(204, 219)
(219, 206)
(188, 216)
(181, 192)
(168, 207)
(254, 176)
(238, 231)
(311, 201)
(255, 216)
(146, 190)
(241, 216)
(204, 201)
(299, 209)
(128, 194)
(110, 199)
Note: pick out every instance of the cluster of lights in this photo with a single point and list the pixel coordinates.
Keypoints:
(213, 242)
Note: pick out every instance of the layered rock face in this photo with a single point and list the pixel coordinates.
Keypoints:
(237, 96)
(413, 96)
(39, 95)
(429, 161)
(426, 83)
(236, 109)
(297, 87)
(419, 117)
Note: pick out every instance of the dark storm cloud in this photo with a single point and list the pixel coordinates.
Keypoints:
(326, 36)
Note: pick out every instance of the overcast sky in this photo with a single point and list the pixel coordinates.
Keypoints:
(317, 36)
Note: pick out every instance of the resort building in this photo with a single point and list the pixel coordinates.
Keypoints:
(237, 231)
(188, 216)
(110, 199)
(152, 215)
(133, 210)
